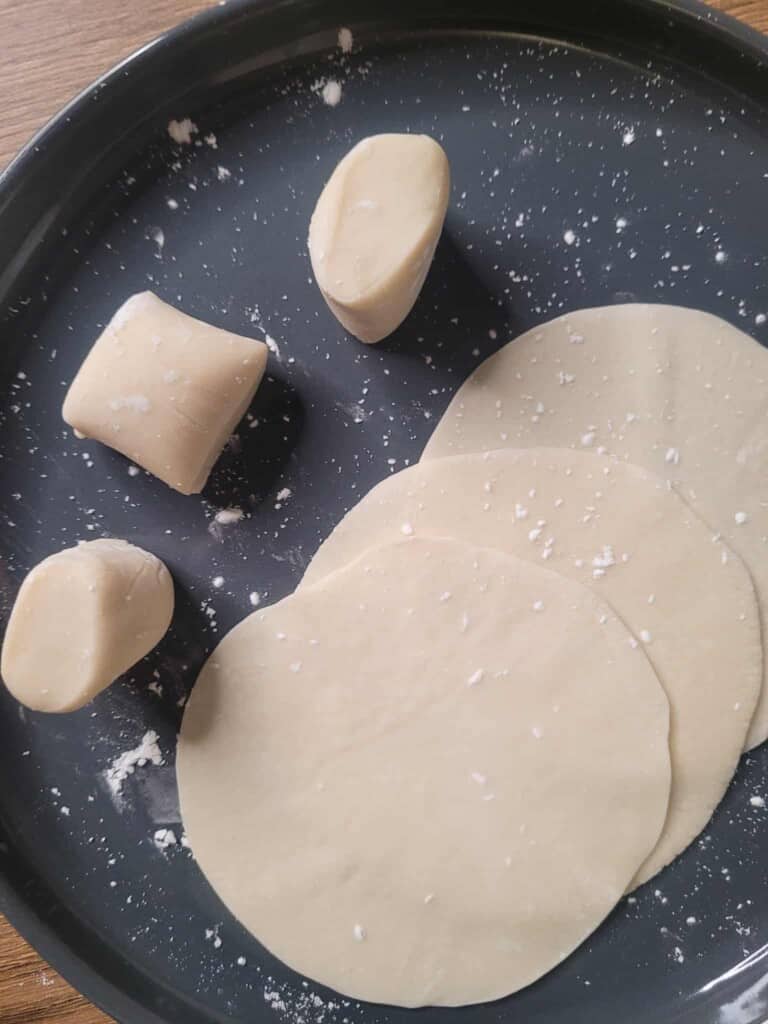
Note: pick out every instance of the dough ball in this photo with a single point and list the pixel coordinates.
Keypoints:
(81, 618)
(407, 791)
(165, 389)
(619, 530)
(678, 391)
(375, 229)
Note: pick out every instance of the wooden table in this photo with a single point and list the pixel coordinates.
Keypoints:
(51, 49)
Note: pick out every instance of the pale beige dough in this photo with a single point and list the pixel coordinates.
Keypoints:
(407, 790)
(375, 229)
(165, 389)
(81, 618)
(675, 390)
(618, 529)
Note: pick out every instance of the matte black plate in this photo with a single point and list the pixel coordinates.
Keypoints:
(601, 152)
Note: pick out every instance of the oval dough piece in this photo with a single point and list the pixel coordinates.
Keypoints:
(618, 529)
(349, 793)
(375, 230)
(675, 390)
(165, 389)
(81, 618)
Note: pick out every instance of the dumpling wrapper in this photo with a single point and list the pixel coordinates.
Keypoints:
(428, 778)
(83, 617)
(618, 529)
(678, 391)
(375, 229)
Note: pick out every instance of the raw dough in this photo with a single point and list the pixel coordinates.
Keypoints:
(618, 529)
(407, 791)
(81, 618)
(675, 390)
(165, 389)
(375, 229)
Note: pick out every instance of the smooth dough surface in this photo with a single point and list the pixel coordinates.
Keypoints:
(678, 391)
(375, 229)
(619, 530)
(81, 618)
(165, 389)
(348, 790)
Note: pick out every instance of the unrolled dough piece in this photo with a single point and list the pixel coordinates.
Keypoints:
(675, 390)
(165, 389)
(620, 530)
(375, 229)
(82, 617)
(407, 790)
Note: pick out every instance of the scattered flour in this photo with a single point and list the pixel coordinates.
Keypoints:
(147, 752)
(330, 91)
(182, 131)
(164, 837)
(228, 516)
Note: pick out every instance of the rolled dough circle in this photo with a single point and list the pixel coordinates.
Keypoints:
(619, 530)
(675, 390)
(348, 792)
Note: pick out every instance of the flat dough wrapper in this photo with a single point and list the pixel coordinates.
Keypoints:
(582, 515)
(347, 790)
(678, 391)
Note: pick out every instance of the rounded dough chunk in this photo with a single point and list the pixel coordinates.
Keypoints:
(348, 790)
(375, 230)
(675, 390)
(621, 531)
(82, 617)
(165, 390)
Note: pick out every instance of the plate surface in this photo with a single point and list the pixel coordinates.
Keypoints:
(606, 152)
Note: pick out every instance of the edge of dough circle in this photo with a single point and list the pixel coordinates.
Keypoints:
(675, 390)
(329, 732)
(619, 530)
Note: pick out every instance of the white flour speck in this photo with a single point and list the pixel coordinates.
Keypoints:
(255, 598)
(407, 529)
(147, 752)
(182, 131)
(228, 516)
(757, 801)
(164, 837)
(673, 456)
(346, 40)
(741, 518)
(569, 237)
(476, 676)
(628, 137)
(359, 933)
(331, 93)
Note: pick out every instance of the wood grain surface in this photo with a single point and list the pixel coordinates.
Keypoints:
(50, 50)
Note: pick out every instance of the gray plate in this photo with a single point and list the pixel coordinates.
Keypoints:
(639, 126)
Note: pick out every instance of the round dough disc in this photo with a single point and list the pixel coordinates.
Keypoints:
(620, 530)
(675, 390)
(350, 794)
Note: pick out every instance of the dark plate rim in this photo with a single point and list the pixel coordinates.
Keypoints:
(21, 912)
